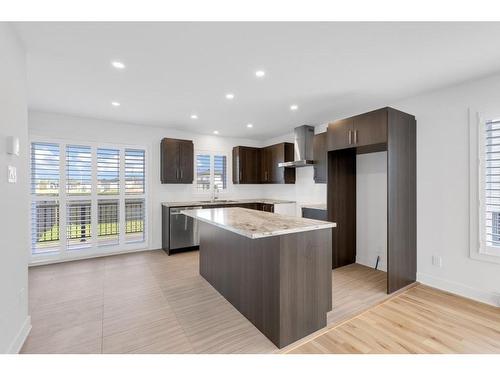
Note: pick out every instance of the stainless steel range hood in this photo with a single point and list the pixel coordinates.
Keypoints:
(304, 139)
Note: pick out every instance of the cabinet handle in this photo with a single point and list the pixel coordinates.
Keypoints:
(355, 136)
(241, 174)
(177, 174)
(181, 173)
(350, 136)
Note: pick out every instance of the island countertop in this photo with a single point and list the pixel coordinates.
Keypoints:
(256, 224)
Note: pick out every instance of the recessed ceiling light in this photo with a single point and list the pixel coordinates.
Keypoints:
(115, 104)
(216, 132)
(118, 64)
(194, 117)
(294, 107)
(249, 126)
(260, 73)
(229, 96)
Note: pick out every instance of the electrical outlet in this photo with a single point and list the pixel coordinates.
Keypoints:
(437, 261)
(12, 174)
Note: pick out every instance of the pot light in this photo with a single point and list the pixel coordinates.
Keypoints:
(115, 104)
(230, 96)
(260, 73)
(118, 64)
(294, 107)
(249, 125)
(194, 117)
(216, 132)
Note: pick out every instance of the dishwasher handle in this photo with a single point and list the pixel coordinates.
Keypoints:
(178, 210)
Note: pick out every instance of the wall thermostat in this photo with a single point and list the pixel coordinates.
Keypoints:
(13, 145)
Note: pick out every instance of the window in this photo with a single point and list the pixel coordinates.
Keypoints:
(45, 176)
(211, 171)
(108, 171)
(134, 171)
(484, 187)
(78, 192)
(490, 170)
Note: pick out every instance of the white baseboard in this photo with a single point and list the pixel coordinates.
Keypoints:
(19, 340)
(489, 297)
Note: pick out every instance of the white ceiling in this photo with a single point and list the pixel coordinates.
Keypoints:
(176, 69)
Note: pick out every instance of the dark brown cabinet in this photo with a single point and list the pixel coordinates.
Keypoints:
(340, 134)
(176, 161)
(319, 150)
(367, 132)
(271, 156)
(385, 129)
(246, 165)
(260, 165)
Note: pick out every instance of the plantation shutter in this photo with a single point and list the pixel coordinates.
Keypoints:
(134, 171)
(203, 172)
(491, 191)
(220, 171)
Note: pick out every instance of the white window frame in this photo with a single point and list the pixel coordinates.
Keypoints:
(477, 247)
(209, 192)
(95, 249)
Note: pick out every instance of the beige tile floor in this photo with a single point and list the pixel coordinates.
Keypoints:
(149, 302)
(144, 302)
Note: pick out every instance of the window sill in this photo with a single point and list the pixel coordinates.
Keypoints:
(484, 257)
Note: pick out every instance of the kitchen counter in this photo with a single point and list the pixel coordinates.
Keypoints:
(224, 201)
(274, 269)
(256, 224)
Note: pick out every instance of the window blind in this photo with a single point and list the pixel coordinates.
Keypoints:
(134, 220)
(203, 172)
(45, 227)
(134, 171)
(78, 224)
(220, 171)
(492, 184)
(108, 171)
(78, 170)
(45, 168)
(108, 221)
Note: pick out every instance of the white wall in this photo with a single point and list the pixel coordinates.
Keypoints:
(57, 126)
(14, 208)
(371, 209)
(442, 187)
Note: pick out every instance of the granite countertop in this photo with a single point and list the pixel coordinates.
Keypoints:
(318, 206)
(223, 201)
(256, 224)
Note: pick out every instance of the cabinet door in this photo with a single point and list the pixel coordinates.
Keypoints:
(246, 165)
(340, 134)
(250, 165)
(319, 150)
(264, 165)
(186, 162)
(169, 161)
(276, 155)
(370, 128)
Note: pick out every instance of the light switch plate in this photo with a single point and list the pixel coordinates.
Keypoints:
(12, 177)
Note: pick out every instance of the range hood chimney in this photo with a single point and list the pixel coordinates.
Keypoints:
(303, 148)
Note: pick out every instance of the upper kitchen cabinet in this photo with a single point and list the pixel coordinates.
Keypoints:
(260, 165)
(246, 165)
(320, 153)
(339, 134)
(270, 157)
(176, 161)
(366, 132)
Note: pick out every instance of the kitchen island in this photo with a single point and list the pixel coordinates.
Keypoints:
(274, 269)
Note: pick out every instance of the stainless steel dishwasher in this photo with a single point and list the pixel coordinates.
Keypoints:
(184, 230)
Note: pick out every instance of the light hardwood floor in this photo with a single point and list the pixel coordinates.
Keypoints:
(149, 302)
(420, 320)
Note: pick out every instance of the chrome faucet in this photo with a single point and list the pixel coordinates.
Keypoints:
(215, 193)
